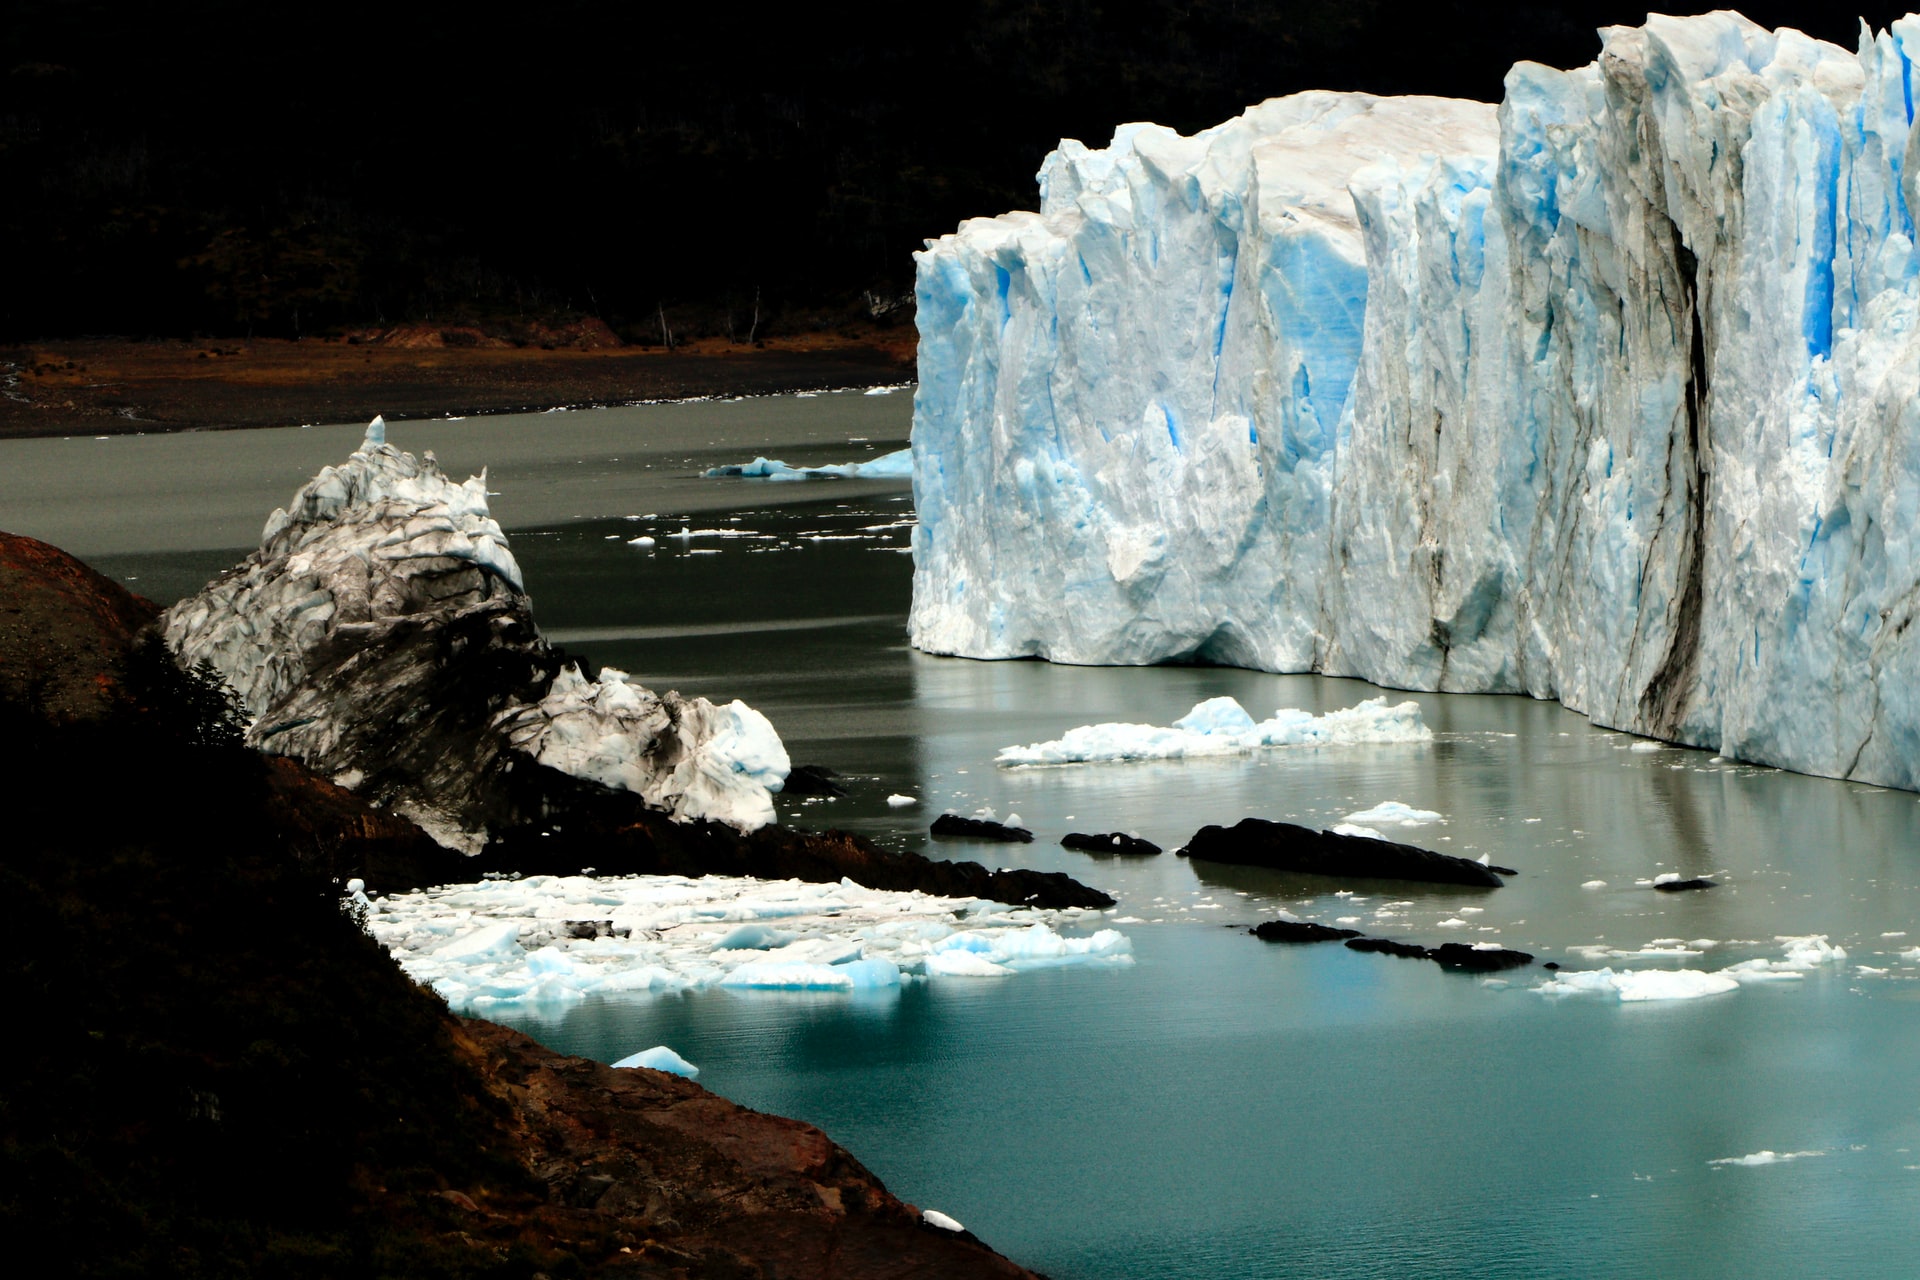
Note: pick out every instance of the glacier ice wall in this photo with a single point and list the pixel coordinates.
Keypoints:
(382, 634)
(1610, 394)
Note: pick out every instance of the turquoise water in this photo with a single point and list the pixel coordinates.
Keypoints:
(1226, 1108)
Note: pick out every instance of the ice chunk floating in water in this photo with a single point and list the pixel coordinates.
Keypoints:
(1605, 394)
(897, 465)
(512, 942)
(1221, 726)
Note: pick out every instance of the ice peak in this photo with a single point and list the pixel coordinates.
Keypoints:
(376, 433)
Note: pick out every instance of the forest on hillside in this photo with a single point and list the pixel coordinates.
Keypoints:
(206, 167)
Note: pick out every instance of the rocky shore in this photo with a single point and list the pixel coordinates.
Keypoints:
(113, 386)
(228, 1076)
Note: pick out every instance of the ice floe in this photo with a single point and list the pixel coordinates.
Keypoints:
(1221, 726)
(1802, 955)
(1765, 1157)
(554, 940)
(897, 465)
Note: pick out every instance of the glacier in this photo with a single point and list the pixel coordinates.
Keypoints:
(1603, 394)
(382, 635)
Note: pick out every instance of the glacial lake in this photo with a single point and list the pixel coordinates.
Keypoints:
(1222, 1107)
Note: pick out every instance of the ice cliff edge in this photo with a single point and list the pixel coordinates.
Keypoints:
(382, 634)
(1609, 394)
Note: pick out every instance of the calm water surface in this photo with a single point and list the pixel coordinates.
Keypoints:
(1225, 1107)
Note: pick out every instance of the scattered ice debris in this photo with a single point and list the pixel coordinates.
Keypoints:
(1765, 1157)
(1221, 726)
(1394, 811)
(1802, 955)
(661, 1058)
(898, 801)
(897, 465)
(932, 1217)
(543, 941)
(1354, 829)
(1644, 745)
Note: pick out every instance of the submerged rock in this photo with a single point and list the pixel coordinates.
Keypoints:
(1111, 842)
(813, 780)
(1282, 846)
(1300, 931)
(382, 635)
(1685, 886)
(954, 826)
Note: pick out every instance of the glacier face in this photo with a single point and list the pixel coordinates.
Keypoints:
(1607, 394)
(382, 634)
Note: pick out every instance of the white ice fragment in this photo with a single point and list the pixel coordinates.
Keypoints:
(897, 465)
(1220, 726)
(1593, 884)
(1644, 745)
(899, 801)
(642, 541)
(1394, 811)
(661, 1058)
(1636, 985)
(932, 1217)
(1765, 1157)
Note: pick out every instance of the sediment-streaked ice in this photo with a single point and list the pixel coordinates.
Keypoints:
(511, 943)
(1221, 726)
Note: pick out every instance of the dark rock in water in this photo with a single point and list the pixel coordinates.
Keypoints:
(1388, 947)
(1111, 842)
(587, 930)
(1501, 871)
(1300, 931)
(1282, 846)
(1551, 964)
(953, 825)
(813, 780)
(618, 834)
(1684, 886)
(1458, 955)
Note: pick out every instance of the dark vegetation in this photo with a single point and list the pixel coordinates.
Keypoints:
(674, 171)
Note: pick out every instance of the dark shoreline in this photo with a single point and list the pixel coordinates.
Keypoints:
(107, 386)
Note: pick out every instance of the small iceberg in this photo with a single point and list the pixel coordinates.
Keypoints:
(897, 465)
(1221, 726)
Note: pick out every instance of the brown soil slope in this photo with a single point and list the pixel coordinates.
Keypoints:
(224, 1075)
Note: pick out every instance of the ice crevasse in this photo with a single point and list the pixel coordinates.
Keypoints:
(1610, 394)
